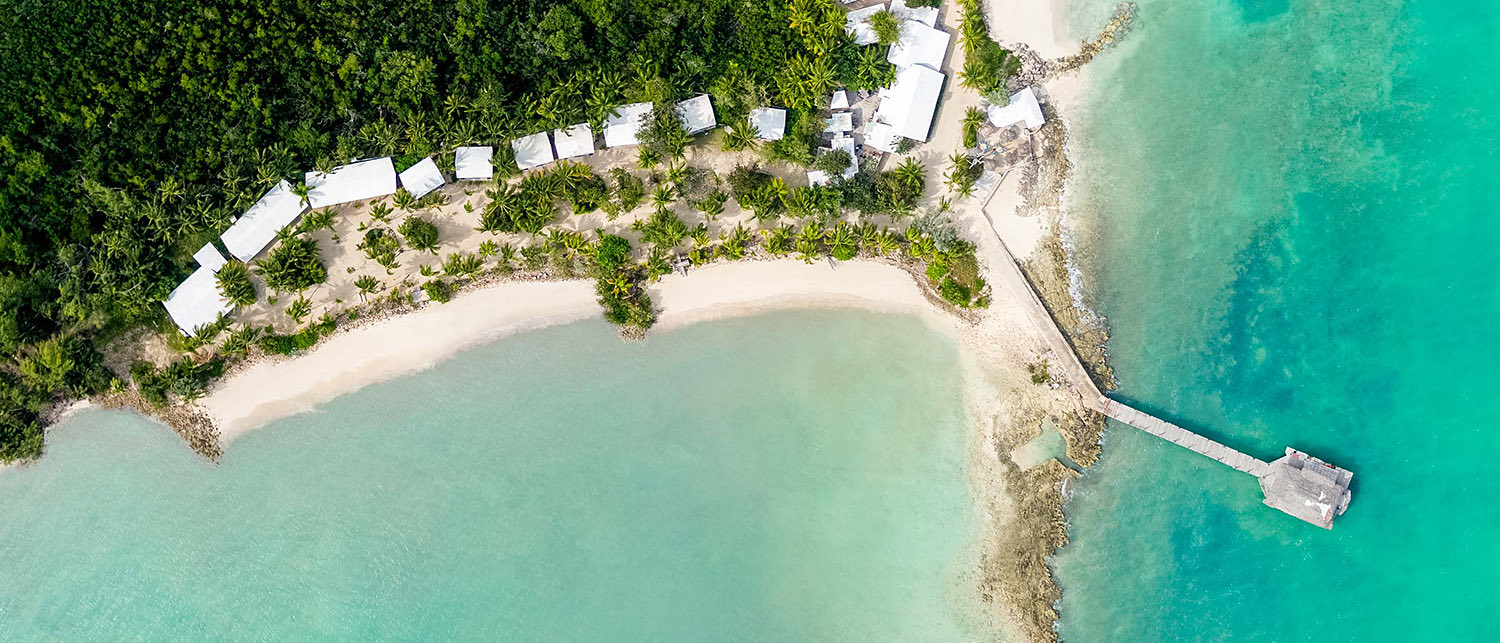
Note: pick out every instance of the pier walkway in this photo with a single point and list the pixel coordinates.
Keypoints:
(1297, 484)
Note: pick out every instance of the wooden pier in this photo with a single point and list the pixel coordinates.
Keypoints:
(1297, 484)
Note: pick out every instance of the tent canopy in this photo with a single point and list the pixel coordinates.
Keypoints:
(856, 23)
(1023, 108)
(422, 178)
(624, 127)
(473, 163)
(532, 151)
(574, 141)
(911, 101)
(352, 182)
(697, 114)
(255, 229)
(196, 302)
(769, 123)
(919, 45)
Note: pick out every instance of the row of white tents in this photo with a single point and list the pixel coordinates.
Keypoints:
(197, 302)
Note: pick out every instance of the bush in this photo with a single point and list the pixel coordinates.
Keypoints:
(294, 265)
(235, 284)
(440, 291)
(834, 162)
(613, 254)
(183, 378)
(299, 341)
(420, 234)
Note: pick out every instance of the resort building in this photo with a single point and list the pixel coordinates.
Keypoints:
(196, 302)
(532, 151)
(846, 144)
(255, 229)
(856, 23)
(925, 15)
(881, 136)
(919, 45)
(573, 142)
(623, 127)
(839, 123)
(697, 114)
(421, 179)
(352, 182)
(909, 104)
(474, 163)
(840, 100)
(1023, 108)
(769, 123)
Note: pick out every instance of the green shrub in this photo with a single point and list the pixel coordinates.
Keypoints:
(438, 290)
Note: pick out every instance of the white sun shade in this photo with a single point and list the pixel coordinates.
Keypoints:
(208, 256)
(624, 127)
(473, 163)
(352, 182)
(840, 100)
(838, 123)
(258, 226)
(856, 23)
(532, 151)
(769, 123)
(1023, 108)
(196, 302)
(697, 114)
(925, 15)
(422, 178)
(910, 102)
(919, 45)
(574, 141)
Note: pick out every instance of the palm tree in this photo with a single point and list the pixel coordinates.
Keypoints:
(662, 195)
(366, 285)
(302, 190)
(741, 136)
(404, 199)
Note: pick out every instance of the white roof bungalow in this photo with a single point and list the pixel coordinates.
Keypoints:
(422, 178)
(352, 182)
(208, 257)
(909, 103)
(624, 126)
(574, 141)
(856, 23)
(919, 45)
(1023, 108)
(845, 143)
(532, 151)
(925, 15)
(881, 136)
(473, 163)
(196, 302)
(697, 114)
(838, 123)
(840, 100)
(255, 229)
(769, 123)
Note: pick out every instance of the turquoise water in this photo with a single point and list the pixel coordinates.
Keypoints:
(790, 477)
(1293, 214)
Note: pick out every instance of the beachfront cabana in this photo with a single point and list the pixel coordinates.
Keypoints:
(473, 163)
(532, 151)
(624, 126)
(209, 257)
(196, 302)
(353, 182)
(422, 178)
(925, 15)
(1023, 108)
(839, 123)
(575, 141)
(255, 229)
(910, 102)
(856, 23)
(840, 100)
(919, 45)
(769, 123)
(697, 114)
(882, 136)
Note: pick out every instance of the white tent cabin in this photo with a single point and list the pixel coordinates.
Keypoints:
(769, 123)
(623, 127)
(909, 103)
(573, 142)
(856, 23)
(473, 163)
(1023, 108)
(196, 302)
(353, 182)
(255, 229)
(422, 178)
(697, 114)
(925, 15)
(533, 151)
(919, 45)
